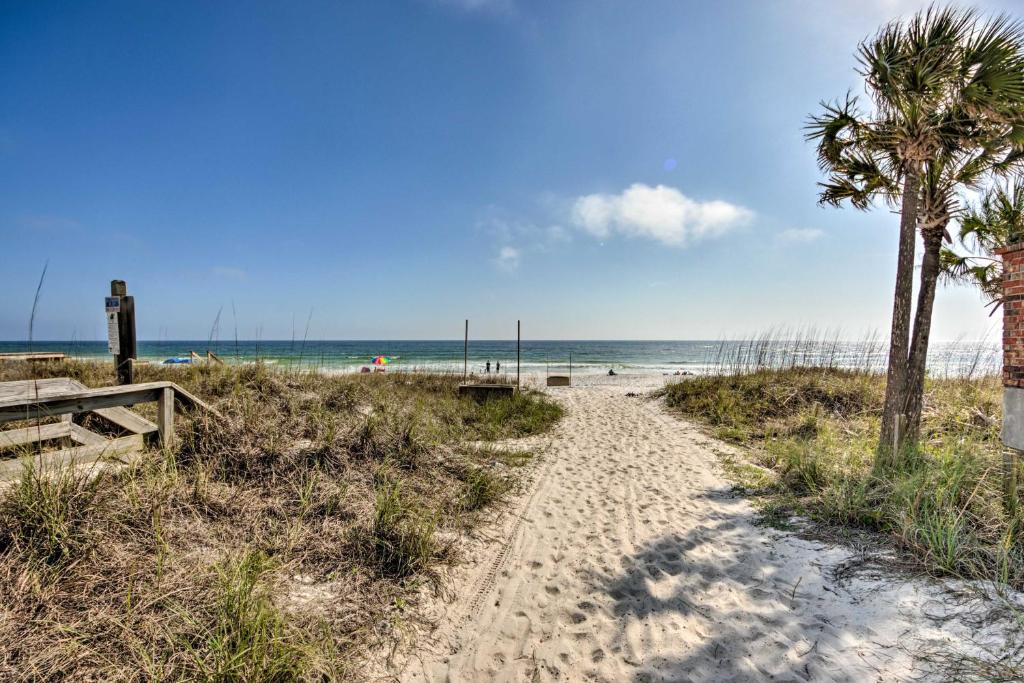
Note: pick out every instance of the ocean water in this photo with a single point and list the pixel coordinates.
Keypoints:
(645, 357)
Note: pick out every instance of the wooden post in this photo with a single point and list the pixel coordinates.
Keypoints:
(519, 336)
(165, 417)
(465, 353)
(68, 419)
(125, 333)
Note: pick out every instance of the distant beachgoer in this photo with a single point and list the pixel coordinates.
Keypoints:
(488, 367)
(497, 366)
(611, 373)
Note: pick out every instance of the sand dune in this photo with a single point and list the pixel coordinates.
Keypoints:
(629, 559)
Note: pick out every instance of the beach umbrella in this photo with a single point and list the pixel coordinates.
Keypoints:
(380, 360)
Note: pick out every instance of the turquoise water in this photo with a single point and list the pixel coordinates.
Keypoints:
(647, 357)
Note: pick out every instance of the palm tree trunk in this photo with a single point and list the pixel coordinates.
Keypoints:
(914, 389)
(899, 340)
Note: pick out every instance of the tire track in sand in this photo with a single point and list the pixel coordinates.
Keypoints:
(484, 584)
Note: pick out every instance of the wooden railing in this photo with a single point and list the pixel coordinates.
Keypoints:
(64, 398)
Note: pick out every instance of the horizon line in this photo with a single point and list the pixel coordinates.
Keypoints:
(753, 338)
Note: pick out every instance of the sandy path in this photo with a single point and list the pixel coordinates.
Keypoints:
(629, 559)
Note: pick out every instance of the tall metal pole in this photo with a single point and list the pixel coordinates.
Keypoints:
(519, 336)
(570, 368)
(465, 354)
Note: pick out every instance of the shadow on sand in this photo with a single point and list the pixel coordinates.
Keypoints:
(737, 604)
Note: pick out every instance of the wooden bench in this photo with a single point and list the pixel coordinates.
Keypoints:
(485, 392)
(64, 397)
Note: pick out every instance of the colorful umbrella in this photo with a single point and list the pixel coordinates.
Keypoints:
(381, 360)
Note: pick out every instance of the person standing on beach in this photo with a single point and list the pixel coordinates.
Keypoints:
(488, 370)
(497, 367)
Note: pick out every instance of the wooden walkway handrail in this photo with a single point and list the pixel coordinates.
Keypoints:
(84, 400)
(64, 397)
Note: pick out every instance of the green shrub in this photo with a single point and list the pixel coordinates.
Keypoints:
(401, 538)
(45, 515)
(244, 637)
(482, 487)
(524, 414)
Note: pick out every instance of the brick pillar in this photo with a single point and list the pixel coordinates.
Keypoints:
(1013, 367)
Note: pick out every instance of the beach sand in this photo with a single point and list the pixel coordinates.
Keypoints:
(628, 558)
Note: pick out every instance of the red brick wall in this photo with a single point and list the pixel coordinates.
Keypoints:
(1013, 314)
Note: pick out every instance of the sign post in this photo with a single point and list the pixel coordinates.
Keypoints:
(121, 331)
(113, 306)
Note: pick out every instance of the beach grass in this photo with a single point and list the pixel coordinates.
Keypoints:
(810, 435)
(282, 542)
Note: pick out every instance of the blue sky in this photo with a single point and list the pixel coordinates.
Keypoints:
(598, 169)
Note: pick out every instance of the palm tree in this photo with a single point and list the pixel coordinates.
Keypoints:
(996, 221)
(947, 92)
(940, 204)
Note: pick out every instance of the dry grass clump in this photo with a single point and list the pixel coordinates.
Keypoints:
(44, 516)
(769, 403)
(280, 543)
(400, 540)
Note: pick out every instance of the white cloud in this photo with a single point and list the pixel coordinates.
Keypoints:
(518, 238)
(660, 213)
(556, 234)
(800, 235)
(508, 259)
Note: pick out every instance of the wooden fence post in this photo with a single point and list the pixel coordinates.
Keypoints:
(124, 361)
(165, 417)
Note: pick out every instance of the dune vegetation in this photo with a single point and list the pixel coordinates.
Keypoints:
(811, 437)
(281, 542)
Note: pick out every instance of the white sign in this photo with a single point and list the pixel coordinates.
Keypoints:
(113, 304)
(113, 340)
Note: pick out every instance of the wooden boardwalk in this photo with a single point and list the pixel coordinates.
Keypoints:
(32, 356)
(63, 398)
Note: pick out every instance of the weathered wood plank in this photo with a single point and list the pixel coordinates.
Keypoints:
(79, 402)
(122, 447)
(26, 389)
(189, 400)
(32, 356)
(84, 436)
(30, 400)
(165, 417)
(122, 417)
(27, 435)
(185, 398)
(126, 419)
